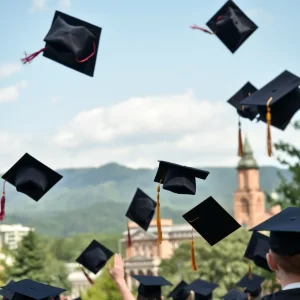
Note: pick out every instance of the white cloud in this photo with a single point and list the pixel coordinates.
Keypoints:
(12, 92)
(38, 5)
(65, 3)
(139, 131)
(55, 100)
(9, 69)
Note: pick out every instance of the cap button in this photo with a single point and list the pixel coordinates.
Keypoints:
(293, 218)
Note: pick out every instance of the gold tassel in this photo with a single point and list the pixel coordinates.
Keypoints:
(269, 119)
(240, 142)
(193, 257)
(249, 296)
(249, 271)
(129, 242)
(158, 221)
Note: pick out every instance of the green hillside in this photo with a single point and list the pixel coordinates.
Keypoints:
(96, 199)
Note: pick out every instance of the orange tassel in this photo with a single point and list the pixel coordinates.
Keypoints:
(89, 279)
(2, 203)
(249, 271)
(158, 221)
(193, 256)
(129, 243)
(269, 119)
(240, 142)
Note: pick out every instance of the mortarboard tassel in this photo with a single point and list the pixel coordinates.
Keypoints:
(203, 29)
(89, 279)
(249, 271)
(129, 243)
(240, 141)
(2, 203)
(29, 58)
(269, 119)
(193, 256)
(158, 221)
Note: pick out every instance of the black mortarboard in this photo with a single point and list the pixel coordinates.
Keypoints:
(211, 221)
(178, 179)
(251, 285)
(248, 112)
(141, 209)
(7, 294)
(72, 43)
(31, 177)
(29, 289)
(94, 257)
(230, 25)
(150, 286)
(284, 230)
(282, 95)
(235, 295)
(257, 249)
(202, 288)
(180, 292)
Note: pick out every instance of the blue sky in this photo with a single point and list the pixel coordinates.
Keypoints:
(146, 50)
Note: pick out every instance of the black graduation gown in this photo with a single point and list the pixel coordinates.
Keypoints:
(292, 294)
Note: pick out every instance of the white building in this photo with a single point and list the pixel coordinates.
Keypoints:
(78, 280)
(11, 235)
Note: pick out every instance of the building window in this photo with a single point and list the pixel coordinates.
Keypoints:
(245, 207)
(136, 250)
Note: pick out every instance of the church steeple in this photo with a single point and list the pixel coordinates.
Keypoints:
(247, 161)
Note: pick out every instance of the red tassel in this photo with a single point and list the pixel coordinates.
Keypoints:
(89, 279)
(29, 58)
(2, 204)
(200, 28)
(129, 243)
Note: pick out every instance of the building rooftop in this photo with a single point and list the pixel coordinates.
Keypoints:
(247, 161)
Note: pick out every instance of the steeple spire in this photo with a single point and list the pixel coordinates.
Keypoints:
(247, 161)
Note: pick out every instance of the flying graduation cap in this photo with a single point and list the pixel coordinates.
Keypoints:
(230, 25)
(28, 289)
(7, 294)
(180, 292)
(94, 258)
(141, 211)
(177, 179)
(246, 112)
(30, 177)
(257, 249)
(71, 42)
(212, 222)
(276, 102)
(284, 230)
(150, 286)
(202, 289)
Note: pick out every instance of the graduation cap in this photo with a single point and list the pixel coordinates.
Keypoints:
(202, 289)
(251, 285)
(140, 211)
(247, 112)
(177, 179)
(94, 257)
(230, 25)
(150, 286)
(72, 43)
(179, 292)
(257, 249)
(211, 221)
(28, 288)
(284, 230)
(277, 102)
(7, 294)
(30, 177)
(235, 295)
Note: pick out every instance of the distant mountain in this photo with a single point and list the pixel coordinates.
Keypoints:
(96, 199)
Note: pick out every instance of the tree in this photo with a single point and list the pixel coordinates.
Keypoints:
(104, 288)
(32, 260)
(288, 190)
(223, 263)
